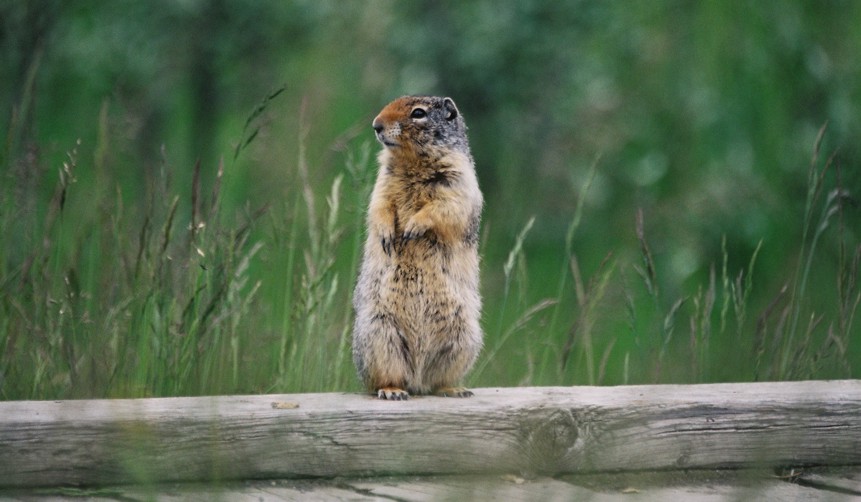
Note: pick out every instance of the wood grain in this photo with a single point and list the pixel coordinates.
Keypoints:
(546, 430)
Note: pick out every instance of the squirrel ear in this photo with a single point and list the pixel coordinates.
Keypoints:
(451, 110)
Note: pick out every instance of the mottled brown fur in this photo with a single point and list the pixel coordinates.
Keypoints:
(417, 301)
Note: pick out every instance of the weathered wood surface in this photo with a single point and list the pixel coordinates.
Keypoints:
(688, 486)
(513, 430)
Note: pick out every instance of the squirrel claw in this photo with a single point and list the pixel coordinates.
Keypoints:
(454, 392)
(412, 234)
(386, 243)
(393, 394)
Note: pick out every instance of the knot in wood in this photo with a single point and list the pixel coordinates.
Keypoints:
(548, 440)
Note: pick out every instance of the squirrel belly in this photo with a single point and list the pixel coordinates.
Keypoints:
(417, 300)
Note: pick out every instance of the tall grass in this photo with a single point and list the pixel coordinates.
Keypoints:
(162, 299)
(175, 293)
(709, 333)
(121, 302)
(800, 340)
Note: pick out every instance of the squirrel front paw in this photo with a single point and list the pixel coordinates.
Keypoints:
(386, 234)
(414, 229)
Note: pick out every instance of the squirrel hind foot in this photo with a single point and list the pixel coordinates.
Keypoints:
(393, 394)
(453, 392)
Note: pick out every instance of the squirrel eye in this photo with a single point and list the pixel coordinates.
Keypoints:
(418, 113)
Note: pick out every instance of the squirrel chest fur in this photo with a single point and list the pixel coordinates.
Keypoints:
(416, 300)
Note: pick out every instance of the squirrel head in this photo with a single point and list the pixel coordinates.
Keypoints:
(417, 125)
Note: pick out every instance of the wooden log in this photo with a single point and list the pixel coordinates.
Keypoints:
(547, 430)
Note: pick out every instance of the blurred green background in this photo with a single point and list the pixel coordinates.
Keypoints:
(127, 271)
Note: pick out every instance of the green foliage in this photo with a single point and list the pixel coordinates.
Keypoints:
(650, 215)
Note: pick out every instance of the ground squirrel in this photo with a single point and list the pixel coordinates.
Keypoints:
(416, 300)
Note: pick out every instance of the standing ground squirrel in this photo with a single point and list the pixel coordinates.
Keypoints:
(417, 301)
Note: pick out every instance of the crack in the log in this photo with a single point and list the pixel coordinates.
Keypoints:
(367, 492)
(716, 429)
